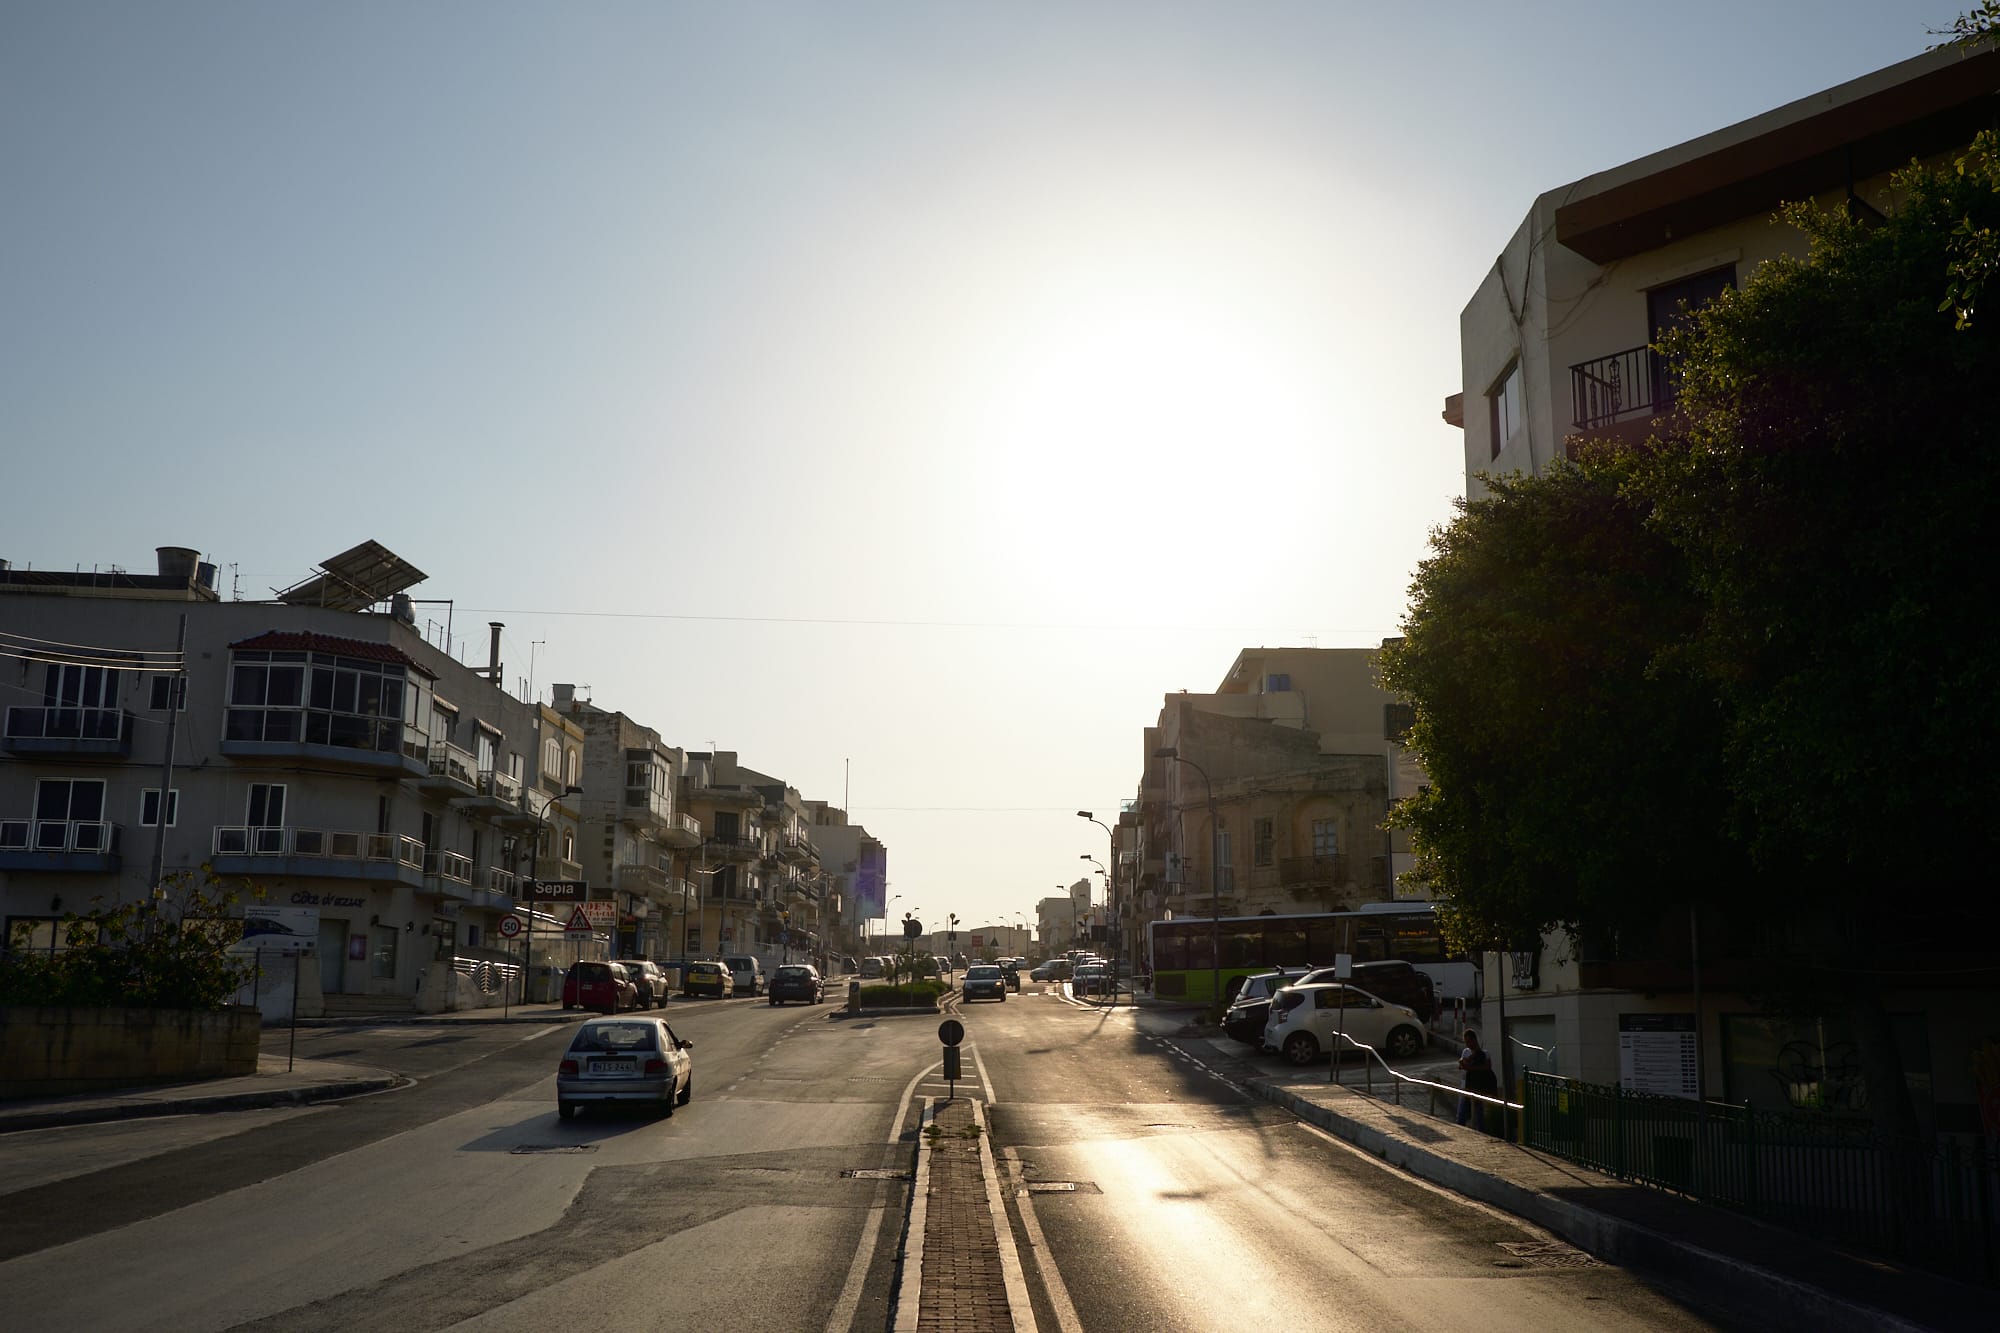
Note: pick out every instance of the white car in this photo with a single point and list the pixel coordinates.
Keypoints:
(1304, 1019)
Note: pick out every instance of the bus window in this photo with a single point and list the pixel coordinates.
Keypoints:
(1242, 945)
(1285, 946)
(1322, 943)
(1169, 948)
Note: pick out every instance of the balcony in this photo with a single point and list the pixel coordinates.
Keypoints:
(327, 853)
(681, 831)
(68, 731)
(556, 867)
(728, 847)
(1634, 384)
(447, 874)
(1308, 871)
(378, 745)
(726, 796)
(496, 795)
(647, 881)
(88, 846)
(494, 880)
(795, 848)
(449, 770)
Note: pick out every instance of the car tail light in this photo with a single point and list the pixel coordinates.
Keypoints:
(567, 1067)
(656, 1066)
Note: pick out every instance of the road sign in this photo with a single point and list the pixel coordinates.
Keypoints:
(510, 926)
(951, 1032)
(558, 890)
(579, 922)
(912, 927)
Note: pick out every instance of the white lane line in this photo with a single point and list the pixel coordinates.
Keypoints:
(841, 1318)
(1020, 1310)
(1038, 1250)
(543, 1032)
(909, 1292)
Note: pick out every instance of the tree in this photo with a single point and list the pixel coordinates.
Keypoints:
(1575, 781)
(1831, 486)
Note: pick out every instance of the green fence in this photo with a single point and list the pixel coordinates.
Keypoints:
(1931, 1203)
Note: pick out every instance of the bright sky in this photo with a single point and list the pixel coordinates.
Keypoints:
(927, 386)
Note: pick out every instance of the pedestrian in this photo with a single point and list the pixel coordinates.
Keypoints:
(1479, 1077)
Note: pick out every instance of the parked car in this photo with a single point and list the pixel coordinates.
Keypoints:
(873, 969)
(625, 1060)
(648, 981)
(1042, 972)
(1304, 1018)
(605, 987)
(1392, 979)
(747, 972)
(797, 981)
(985, 981)
(1093, 979)
(1252, 1005)
(707, 977)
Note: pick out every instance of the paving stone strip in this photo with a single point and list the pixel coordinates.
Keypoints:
(964, 1287)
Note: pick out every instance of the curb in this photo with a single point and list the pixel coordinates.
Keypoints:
(1772, 1299)
(433, 1020)
(106, 1112)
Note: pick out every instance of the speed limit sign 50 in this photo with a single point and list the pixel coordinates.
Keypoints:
(510, 926)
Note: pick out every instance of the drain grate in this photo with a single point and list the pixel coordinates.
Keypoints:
(874, 1173)
(1062, 1187)
(1548, 1254)
(524, 1149)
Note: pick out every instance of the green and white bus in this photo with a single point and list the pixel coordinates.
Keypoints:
(1183, 960)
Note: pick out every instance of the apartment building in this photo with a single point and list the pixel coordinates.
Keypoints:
(1297, 754)
(324, 752)
(855, 866)
(1558, 343)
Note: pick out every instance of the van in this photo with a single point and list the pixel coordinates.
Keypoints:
(747, 971)
(872, 969)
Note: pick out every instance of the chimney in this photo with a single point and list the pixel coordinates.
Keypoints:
(493, 652)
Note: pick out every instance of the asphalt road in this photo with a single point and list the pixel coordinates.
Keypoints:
(1146, 1191)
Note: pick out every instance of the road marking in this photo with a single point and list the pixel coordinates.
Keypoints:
(543, 1032)
(985, 1083)
(1038, 1250)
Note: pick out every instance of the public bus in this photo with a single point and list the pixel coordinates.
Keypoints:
(1183, 962)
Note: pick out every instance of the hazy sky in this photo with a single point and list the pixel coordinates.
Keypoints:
(931, 386)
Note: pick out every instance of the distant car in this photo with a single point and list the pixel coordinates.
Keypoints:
(943, 967)
(747, 972)
(1304, 1019)
(1010, 970)
(707, 977)
(872, 969)
(985, 981)
(605, 987)
(1042, 972)
(796, 981)
(1252, 1005)
(625, 1060)
(648, 981)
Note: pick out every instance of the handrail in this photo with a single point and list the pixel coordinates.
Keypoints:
(1368, 1085)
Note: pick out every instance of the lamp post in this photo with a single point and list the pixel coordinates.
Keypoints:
(1022, 917)
(893, 900)
(1110, 888)
(1214, 891)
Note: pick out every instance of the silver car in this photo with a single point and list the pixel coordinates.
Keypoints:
(625, 1060)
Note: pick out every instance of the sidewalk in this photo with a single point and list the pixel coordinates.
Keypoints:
(307, 1081)
(1770, 1276)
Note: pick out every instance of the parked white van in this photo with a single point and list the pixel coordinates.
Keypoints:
(748, 972)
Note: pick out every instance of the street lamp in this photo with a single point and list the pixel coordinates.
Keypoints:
(1110, 888)
(1214, 891)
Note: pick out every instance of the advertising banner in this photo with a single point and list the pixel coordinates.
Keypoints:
(279, 930)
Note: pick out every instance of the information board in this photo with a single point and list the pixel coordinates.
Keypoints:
(1656, 1054)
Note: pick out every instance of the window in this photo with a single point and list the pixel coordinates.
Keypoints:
(161, 686)
(68, 812)
(444, 722)
(266, 807)
(1503, 404)
(319, 699)
(1325, 841)
(485, 749)
(80, 687)
(149, 806)
(1262, 840)
(1277, 682)
(573, 769)
(552, 760)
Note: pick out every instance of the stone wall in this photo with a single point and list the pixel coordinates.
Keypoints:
(48, 1052)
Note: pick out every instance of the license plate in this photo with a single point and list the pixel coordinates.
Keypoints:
(612, 1066)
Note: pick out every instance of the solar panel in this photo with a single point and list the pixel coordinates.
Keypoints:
(355, 579)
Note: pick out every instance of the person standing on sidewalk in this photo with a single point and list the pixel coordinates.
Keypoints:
(1479, 1077)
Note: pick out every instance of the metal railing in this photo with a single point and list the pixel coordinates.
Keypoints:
(496, 880)
(453, 866)
(1633, 382)
(502, 787)
(1932, 1203)
(448, 761)
(332, 844)
(1507, 1110)
(65, 723)
(59, 835)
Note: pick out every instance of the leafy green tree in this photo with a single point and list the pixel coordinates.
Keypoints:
(1575, 780)
(175, 955)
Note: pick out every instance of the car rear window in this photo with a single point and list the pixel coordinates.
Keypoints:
(981, 973)
(1289, 999)
(614, 1037)
(794, 971)
(593, 971)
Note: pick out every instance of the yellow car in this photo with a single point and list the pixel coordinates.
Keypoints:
(708, 978)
